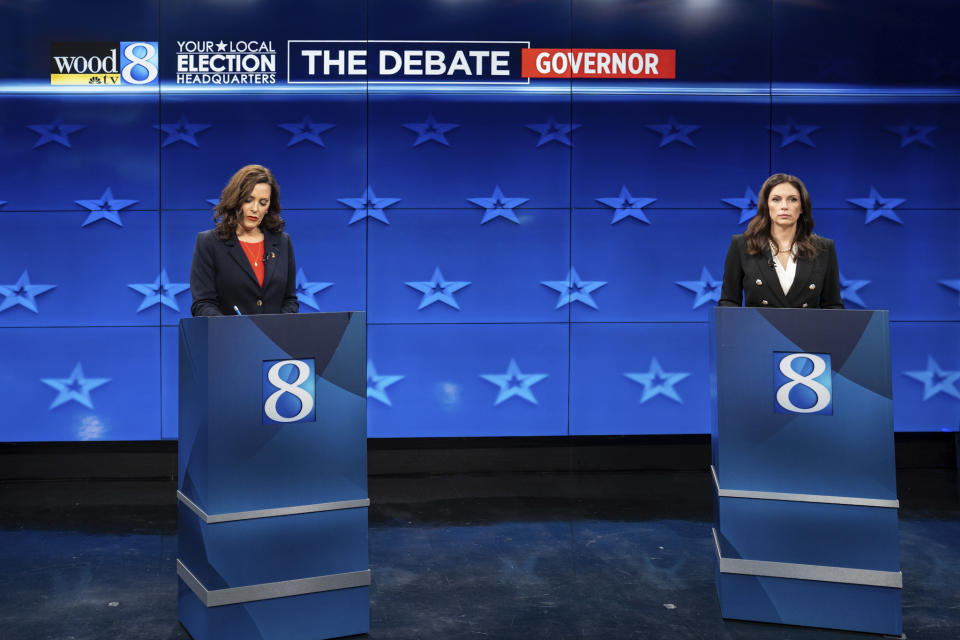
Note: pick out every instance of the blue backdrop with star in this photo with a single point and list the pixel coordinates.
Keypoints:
(534, 260)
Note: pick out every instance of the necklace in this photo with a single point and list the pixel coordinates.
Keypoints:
(259, 247)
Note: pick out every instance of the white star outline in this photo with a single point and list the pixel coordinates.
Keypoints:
(498, 205)
(574, 289)
(77, 387)
(438, 289)
(306, 290)
(658, 382)
(160, 291)
(22, 293)
(626, 206)
(936, 380)
(514, 383)
(707, 288)
(377, 384)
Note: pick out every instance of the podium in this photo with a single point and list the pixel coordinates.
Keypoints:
(273, 477)
(805, 501)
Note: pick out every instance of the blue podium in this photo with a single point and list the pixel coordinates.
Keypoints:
(805, 502)
(273, 477)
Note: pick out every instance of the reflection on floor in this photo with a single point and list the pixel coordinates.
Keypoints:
(501, 556)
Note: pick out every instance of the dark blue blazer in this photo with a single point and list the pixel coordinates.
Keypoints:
(221, 276)
(751, 280)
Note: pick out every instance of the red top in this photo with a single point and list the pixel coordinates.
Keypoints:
(254, 251)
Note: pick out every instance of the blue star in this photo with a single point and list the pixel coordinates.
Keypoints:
(56, 131)
(513, 383)
(22, 293)
(706, 288)
(437, 290)
(910, 133)
(306, 290)
(673, 131)
(76, 387)
(182, 130)
(878, 207)
(552, 130)
(497, 205)
(2, 202)
(626, 206)
(307, 130)
(368, 204)
(793, 132)
(377, 384)
(951, 284)
(936, 380)
(213, 201)
(431, 130)
(747, 204)
(107, 207)
(160, 291)
(657, 382)
(849, 288)
(573, 289)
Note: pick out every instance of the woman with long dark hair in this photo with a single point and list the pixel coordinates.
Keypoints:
(779, 261)
(245, 265)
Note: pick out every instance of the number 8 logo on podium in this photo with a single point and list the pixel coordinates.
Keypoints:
(803, 383)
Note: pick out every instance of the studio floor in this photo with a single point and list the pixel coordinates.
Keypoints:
(501, 555)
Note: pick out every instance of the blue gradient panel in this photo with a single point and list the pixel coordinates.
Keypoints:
(638, 378)
(169, 392)
(926, 375)
(268, 466)
(848, 453)
(81, 383)
(59, 150)
(498, 280)
(898, 150)
(316, 147)
(497, 137)
(643, 275)
(467, 380)
(669, 151)
(90, 269)
(331, 253)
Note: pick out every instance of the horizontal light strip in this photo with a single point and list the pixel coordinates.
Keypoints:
(271, 513)
(818, 573)
(801, 497)
(270, 590)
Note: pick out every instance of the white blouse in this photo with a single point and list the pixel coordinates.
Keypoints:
(787, 275)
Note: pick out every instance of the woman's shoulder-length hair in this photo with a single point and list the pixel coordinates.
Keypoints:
(226, 214)
(758, 233)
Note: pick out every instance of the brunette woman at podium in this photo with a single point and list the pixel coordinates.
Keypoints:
(779, 261)
(245, 264)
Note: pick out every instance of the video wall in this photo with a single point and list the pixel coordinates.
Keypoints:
(537, 248)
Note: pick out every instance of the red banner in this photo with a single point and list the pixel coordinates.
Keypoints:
(599, 63)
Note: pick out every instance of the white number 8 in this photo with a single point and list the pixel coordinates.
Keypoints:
(306, 400)
(783, 393)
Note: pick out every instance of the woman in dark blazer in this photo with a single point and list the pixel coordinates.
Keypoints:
(245, 265)
(779, 261)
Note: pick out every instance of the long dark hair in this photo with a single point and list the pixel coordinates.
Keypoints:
(226, 214)
(758, 231)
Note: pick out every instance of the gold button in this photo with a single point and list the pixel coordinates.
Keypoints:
(259, 303)
(813, 286)
(804, 305)
(759, 282)
(764, 302)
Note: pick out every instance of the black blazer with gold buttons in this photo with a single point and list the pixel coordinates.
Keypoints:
(751, 280)
(221, 276)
